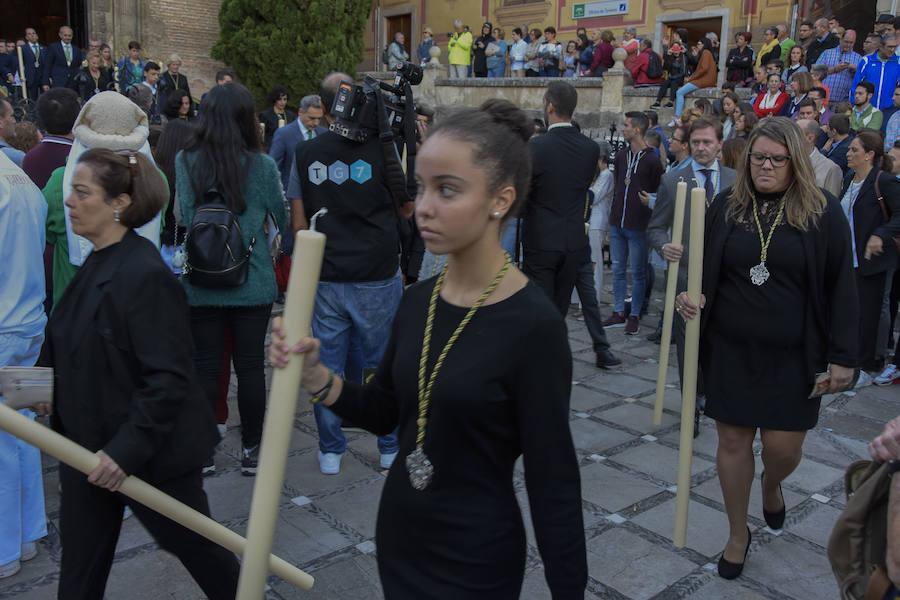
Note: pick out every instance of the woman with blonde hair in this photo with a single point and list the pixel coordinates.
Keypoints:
(93, 79)
(779, 323)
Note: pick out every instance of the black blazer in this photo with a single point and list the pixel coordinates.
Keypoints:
(270, 121)
(84, 83)
(125, 380)
(832, 313)
(868, 220)
(56, 73)
(563, 165)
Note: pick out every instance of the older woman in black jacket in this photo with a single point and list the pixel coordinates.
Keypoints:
(780, 308)
(740, 59)
(873, 224)
(119, 340)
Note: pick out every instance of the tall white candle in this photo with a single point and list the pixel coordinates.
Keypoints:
(669, 306)
(691, 355)
(309, 247)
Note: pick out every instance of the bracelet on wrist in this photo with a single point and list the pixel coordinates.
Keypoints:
(323, 393)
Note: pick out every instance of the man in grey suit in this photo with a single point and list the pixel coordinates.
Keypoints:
(829, 176)
(702, 170)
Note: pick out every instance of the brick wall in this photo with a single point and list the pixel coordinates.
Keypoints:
(187, 28)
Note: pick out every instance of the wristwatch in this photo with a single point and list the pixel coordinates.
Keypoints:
(893, 467)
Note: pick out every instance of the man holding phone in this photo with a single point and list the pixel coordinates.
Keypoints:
(841, 62)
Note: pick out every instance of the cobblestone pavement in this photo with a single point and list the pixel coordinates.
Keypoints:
(326, 524)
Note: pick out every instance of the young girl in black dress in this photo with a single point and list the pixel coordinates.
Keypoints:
(477, 372)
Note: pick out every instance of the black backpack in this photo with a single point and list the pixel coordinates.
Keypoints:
(215, 246)
(386, 54)
(654, 66)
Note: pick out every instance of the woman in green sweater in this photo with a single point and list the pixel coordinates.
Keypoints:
(226, 155)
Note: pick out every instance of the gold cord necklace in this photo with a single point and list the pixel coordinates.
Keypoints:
(418, 466)
(759, 274)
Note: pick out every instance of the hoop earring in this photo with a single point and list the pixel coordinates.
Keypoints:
(116, 215)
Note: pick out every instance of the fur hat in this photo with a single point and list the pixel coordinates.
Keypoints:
(110, 120)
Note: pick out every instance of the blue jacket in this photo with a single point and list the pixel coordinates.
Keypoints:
(56, 72)
(883, 74)
(422, 50)
(34, 75)
(284, 144)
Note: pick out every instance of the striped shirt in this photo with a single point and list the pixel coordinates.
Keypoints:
(839, 83)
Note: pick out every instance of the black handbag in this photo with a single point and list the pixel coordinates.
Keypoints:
(215, 246)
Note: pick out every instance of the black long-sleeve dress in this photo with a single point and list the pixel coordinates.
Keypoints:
(762, 346)
(502, 392)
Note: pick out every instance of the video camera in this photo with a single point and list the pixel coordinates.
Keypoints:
(362, 109)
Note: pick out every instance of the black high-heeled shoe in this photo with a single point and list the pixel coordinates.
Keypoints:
(775, 520)
(730, 570)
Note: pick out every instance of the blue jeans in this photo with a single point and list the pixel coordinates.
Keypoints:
(364, 310)
(625, 245)
(679, 96)
(498, 70)
(550, 72)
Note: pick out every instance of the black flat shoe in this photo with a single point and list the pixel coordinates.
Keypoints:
(730, 570)
(605, 359)
(775, 520)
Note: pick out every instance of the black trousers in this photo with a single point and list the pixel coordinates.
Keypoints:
(248, 335)
(555, 273)
(90, 521)
(584, 283)
(672, 86)
(870, 291)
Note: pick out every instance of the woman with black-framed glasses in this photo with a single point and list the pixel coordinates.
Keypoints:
(780, 310)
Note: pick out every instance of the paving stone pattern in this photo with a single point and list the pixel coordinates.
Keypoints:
(326, 524)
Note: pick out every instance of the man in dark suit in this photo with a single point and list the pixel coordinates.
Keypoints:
(8, 67)
(63, 60)
(825, 40)
(285, 140)
(34, 55)
(839, 132)
(701, 170)
(564, 163)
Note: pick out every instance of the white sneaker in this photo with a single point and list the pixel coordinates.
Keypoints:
(387, 460)
(223, 429)
(29, 551)
(10, 569)
(673, 122)
(889, 376)
(330, 463)
(864, 380)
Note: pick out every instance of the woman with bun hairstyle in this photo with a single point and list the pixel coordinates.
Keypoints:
(477, 373)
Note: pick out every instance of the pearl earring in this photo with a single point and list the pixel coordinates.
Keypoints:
(497, 215)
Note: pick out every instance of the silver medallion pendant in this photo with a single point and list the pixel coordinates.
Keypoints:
(759, 274)
(420, 469)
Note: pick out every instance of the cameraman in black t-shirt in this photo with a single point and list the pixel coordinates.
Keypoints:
(360, 285)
